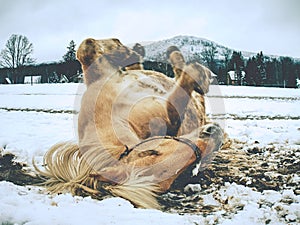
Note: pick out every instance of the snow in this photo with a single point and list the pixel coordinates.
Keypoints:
(191, 47)
(65, 209)
(270, 115)
(35, 117)
(41, 96)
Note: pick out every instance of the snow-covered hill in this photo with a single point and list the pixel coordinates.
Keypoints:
(190, 46)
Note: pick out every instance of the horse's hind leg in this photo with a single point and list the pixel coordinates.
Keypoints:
(189, 78)
(208, 142)
(163, 159)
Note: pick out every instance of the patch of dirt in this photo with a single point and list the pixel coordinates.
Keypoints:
(15, 172)
(259, 168)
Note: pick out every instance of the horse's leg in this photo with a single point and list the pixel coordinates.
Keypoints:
(199, 76)
(189, 78)
(163, 159)
(185, 154)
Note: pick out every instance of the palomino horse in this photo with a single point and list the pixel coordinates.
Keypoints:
(138, 129)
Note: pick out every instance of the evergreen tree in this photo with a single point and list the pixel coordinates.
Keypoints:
(222, 75)
(71, 53)
(226, 53)
(297, 70)
(256, 70)
(260, 75)
(223, 67)
(273, 75)
(208, 55)
(250, 71)
(236, 63)
(288, 72)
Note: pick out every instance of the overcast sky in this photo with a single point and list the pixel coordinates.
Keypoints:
(271, 26)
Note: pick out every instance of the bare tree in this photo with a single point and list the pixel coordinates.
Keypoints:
(17, 52)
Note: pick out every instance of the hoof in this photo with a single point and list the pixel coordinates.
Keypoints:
(214, 137)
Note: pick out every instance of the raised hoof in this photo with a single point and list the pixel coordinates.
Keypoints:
(201, 75)
(214, 136)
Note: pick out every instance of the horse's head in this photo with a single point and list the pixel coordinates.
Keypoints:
(101, 57)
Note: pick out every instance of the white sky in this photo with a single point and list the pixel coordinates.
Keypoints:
(271, 26)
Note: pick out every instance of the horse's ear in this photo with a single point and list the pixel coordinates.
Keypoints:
(123, 56)
(170, 50)
(88, 51)
(138, 48)
(117, 41)
(176, 59)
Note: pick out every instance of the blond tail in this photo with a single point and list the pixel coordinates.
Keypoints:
(65, 170)
(139, 189)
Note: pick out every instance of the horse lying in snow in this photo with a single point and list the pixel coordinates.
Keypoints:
(138, 129)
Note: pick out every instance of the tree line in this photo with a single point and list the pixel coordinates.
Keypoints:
(16, 62)
(232, 68)
(258, 70)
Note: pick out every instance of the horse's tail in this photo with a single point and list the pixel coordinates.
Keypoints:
(66, 170)
(140, 190)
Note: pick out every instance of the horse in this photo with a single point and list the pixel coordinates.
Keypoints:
(138, 129)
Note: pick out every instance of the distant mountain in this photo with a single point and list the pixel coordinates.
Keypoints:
(190, 46)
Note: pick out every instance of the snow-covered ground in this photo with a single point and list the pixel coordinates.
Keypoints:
(35, 117)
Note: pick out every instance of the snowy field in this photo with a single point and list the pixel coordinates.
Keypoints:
(35, 117)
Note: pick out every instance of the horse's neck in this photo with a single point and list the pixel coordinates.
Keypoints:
(100, 72)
